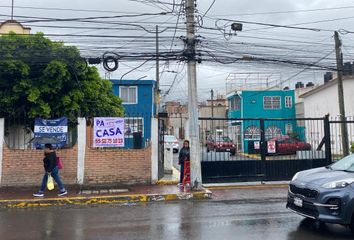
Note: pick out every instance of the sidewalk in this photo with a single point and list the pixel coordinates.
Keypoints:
(23, 198)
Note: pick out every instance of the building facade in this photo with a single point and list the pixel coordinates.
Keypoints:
(13, 26)
(138, 99)
(323, 100)
(245, 107)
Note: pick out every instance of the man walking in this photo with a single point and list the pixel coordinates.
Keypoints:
(50, 167)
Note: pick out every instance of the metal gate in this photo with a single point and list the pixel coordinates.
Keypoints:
(337, 151)
(261, 149)
(161, 131)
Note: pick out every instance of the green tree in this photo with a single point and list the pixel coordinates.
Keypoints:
(47, 79)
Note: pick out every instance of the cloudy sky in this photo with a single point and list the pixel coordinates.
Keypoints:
(307, 37)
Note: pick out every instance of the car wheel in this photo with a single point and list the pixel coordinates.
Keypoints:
(351, 226)
(208, 150)
(233, 153)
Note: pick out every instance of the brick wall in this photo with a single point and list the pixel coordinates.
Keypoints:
(102, 166)
(25, 167)
(117, 166)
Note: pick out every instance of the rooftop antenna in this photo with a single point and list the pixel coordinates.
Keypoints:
(12, 10)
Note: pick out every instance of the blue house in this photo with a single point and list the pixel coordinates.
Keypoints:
(266, 104)
(138, 98)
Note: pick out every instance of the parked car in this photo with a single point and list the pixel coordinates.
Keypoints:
(325, 194)
(289, 145)
(170, 139)
(220, 144)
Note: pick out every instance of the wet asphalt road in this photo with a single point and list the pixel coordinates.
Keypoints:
(167, 220)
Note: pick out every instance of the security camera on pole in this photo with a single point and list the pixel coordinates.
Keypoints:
(196, 177)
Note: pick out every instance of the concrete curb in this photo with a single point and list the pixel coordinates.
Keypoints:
(173, 181)
(255, 156)
(268, 186)
(96, 200)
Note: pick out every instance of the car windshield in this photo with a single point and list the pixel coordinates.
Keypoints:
(345, 164)
(169, 138)
(223, 139)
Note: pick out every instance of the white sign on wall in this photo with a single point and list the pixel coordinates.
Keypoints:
(108, 132)
(271, 147)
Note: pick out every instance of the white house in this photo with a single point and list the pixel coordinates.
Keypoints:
(323, 100)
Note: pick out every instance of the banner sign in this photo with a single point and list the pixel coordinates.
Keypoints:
(271, 147)
(257, 145)
(108, 132)
(54, 131)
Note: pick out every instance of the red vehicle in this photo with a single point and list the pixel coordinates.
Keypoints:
(289, 145)
(220, 144)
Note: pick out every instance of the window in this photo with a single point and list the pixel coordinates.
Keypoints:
(235, 103)
(271, 102)
(128, 94)
(272, 131)
(288, 128)
(288, 102)
(252, 133)
(237, 100)
(133, 125)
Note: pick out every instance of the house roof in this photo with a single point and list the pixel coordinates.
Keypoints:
(232, 94)
(132, 82)
(14, 22)
(325, 86)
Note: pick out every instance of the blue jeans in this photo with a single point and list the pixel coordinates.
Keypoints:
(55, 175)
(181, 173)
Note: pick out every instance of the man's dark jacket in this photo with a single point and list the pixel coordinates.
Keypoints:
(49, 161)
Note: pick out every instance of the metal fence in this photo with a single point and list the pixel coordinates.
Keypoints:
(19, 132)
(336, 136)
(226, 139)
(261, 149)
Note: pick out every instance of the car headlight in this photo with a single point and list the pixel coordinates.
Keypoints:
(339, 184)
(295, 176)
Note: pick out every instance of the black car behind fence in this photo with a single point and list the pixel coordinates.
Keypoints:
(267, 149)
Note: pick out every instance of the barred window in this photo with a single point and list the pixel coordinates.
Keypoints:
(271, 102)
(288, 102)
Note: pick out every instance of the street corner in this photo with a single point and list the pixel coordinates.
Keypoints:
(170, 179)
(202, 194)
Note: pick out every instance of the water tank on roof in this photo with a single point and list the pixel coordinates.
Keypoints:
(328, 76)
(310, 84)
(347, 69)
(299, 85)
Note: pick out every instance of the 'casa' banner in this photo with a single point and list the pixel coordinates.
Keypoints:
(108, 132)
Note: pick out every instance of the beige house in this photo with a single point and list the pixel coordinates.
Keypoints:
(13, 26)
(178, 116)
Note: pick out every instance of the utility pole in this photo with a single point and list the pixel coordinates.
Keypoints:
(344, 130)
(196, 176)
(12, 10)
(212, 109)
(157, 91)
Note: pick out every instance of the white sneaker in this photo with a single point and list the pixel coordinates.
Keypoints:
(38, 194)
(62, 193)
